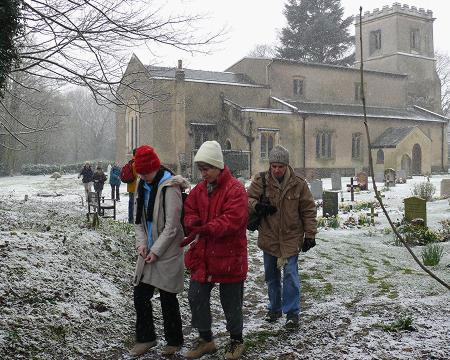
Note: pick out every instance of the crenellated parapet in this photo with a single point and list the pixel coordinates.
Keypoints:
(396, 8)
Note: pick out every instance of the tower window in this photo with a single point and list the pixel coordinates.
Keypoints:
(298, 87)
(375, 41)
(358, 92)
(414, 37)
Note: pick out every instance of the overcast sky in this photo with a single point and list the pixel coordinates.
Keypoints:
(252, 22)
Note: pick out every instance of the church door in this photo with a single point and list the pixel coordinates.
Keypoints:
(417, 160)
(406, 164)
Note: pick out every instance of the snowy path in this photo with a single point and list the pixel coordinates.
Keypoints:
(65, 289)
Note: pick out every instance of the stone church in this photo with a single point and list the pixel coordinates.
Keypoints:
(314, 110)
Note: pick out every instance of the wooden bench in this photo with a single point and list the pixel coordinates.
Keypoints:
(98, 205)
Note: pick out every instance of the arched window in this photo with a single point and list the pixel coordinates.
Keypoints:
(356, 146)
(132, 119)
(267, 143)
(323, 145)
(228, 144)
(380, 156)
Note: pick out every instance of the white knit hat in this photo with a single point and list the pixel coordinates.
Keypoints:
(279, 154)
(210, 153)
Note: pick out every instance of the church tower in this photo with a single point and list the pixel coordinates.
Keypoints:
(399, 39)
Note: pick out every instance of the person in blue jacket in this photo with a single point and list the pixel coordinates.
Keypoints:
(114, 181)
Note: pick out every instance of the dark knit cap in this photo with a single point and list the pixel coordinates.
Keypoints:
(279, 154)
(146, 160)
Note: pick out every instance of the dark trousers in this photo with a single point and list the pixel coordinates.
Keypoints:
(115, 192)
(130, 207)
(145, 328)
(231, 298)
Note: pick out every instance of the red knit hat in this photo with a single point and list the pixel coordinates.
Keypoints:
(146, 160)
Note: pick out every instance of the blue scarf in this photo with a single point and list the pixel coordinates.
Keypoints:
(147, 189)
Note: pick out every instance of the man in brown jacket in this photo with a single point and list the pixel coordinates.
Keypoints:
(288, 226)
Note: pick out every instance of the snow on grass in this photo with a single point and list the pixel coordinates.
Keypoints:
(65, 289)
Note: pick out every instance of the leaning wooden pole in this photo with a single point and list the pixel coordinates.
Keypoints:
(377, 194)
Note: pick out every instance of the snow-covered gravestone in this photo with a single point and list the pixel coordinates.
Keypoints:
(316, 189)
(330, 203)
(56, 175)
(401, 176)
(415, 208)
(336, 181)
(389, 177)
(445, 188)
(362, 180)
(379, 177)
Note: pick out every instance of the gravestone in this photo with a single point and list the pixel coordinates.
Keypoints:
(415, 208)
(372, 214)
(401, 177)
(379, 177)
(389, 177)
(351, 188)
(316, 189)
(336, 181)
(445, 188)
(330, 203)
(362, 180)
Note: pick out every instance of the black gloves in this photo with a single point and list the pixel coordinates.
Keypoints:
(308, 244)
(264, 209)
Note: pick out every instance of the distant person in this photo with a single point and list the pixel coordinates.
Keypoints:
(87, 175)
(159, 234)
(99, 180)
(215, 220)
(288, 226)
(131, 188)
(114, 182)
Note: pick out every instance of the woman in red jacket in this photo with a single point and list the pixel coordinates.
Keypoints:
(215, 219)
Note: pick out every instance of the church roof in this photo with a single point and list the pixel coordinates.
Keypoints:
(338, 67)
(413, 113)
(201, 75)
(391, 137)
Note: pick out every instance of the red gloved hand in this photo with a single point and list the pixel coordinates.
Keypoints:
(188, 239)
(203, 230)
(193, 224)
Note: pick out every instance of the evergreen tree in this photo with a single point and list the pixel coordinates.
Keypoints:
(9, 14)
(316, 32)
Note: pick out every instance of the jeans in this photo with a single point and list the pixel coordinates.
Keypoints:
(115, 192)
(231, 298)
(145, 327)
(284, 298)
(87, 189)
(130, 207)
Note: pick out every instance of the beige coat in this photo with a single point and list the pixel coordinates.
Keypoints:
(167, 272)
(282, 233)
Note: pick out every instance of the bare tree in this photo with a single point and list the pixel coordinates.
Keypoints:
(89, 128)
(263, 50)
(443, 71)
(87, 43)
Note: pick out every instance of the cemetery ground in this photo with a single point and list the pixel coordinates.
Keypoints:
(65, 289)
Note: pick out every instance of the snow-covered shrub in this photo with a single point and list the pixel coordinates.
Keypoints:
(44, 169)
(445, 231)
(432, 254)
(404, 322)
(364, 220)
(3, 171)
(417, 235)
(39, 169)
(424, 190)
(328, 222)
